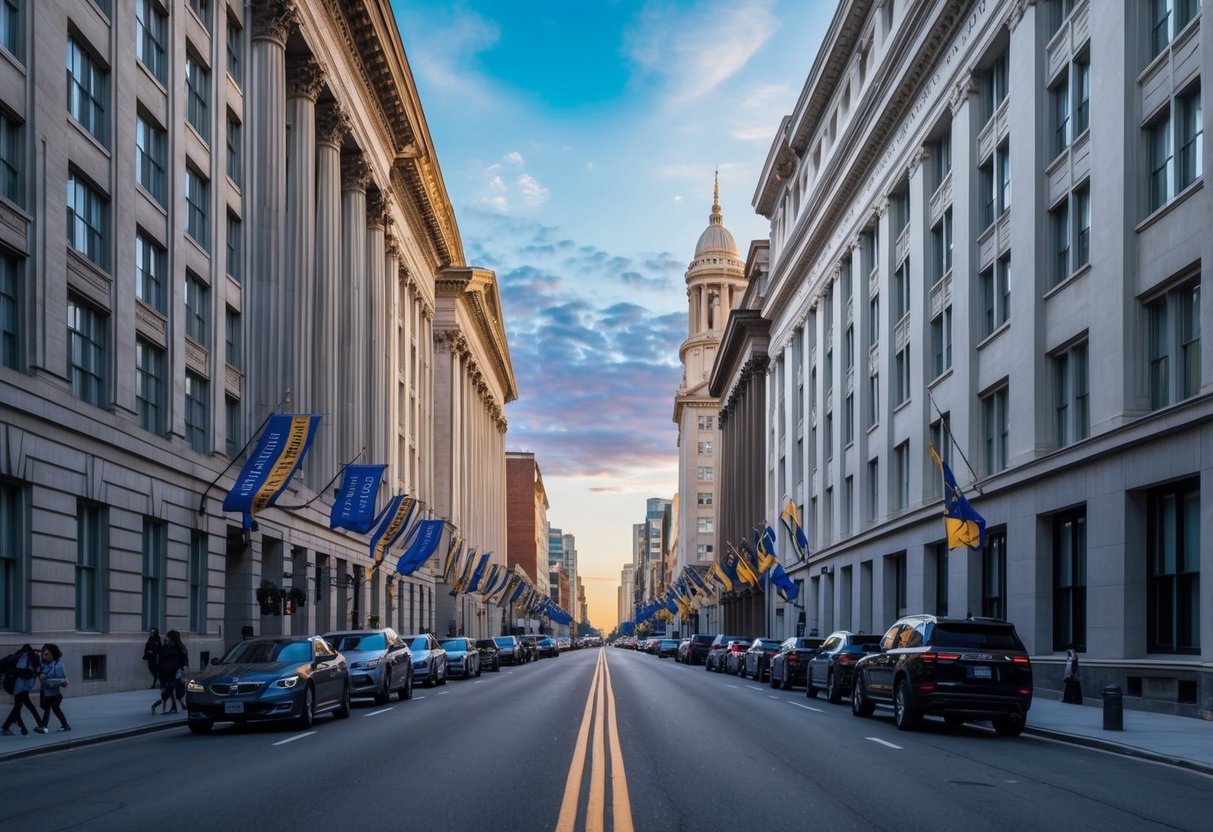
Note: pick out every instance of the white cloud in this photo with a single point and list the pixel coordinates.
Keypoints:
(443, 55)
(762, 133)
(515, 158)
(533, 194)
(589, 165)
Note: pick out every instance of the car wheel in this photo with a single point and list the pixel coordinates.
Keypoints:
(904, 713)
(200, 726)
(431, 678)
(775, 683)
(860, 704)
(741, 671)
(343, 710)
(385, 696)
(307, 709)
(833, 688)
(467, 670)
(1008, 727)
(707, 666)
(406, 692)
(810, 690)
(442, 681)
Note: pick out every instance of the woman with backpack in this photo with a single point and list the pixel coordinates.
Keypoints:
(24, 676)
(54, 678)
(173, 662)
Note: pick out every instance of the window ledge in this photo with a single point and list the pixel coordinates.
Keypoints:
(873, 427)
(902, 406)
(940, 379)
(1003, 327)
(83, 131)
(152, 76)
(1070, 279)
(151, 197)
(1170, 206)
(17, 63)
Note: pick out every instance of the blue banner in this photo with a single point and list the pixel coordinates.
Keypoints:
(479, 573)
(425, 540)
(393, 521)
(269, 468)
(356, 498)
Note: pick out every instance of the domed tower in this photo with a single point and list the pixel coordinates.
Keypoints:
(715, 283)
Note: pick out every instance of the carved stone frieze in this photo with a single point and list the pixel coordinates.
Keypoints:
(274, 20)
(916, 159)
(355, 172)
(332, 123)
(391, 246)
(962, 92)
(378, 209)
(305, 78)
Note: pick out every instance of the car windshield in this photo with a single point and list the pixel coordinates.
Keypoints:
(419, 643)
(668, 643)
(454, 644)
(486, 642)
(504, 642)
(265, 652)
(981, 636)
(359, 641)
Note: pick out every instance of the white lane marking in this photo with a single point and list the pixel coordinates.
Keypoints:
(752, 687)
(419, 697)
(478, 681)
(296, 737)
(772, 697)
(442, 692)
(734, 687)
(376, 713)
(806, 707)
(883, 742)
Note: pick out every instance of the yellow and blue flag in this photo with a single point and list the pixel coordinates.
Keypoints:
(791, 522)
(964, 525)
(453, 550)
(745, 569)
(391, 524)
(423, 540)
(465, 574)
(716, 573)
(269, 468)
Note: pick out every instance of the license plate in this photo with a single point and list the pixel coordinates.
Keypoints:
(233, 707)
(981, 672)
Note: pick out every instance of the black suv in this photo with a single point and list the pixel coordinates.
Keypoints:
(831, 668)
(958, 668)
(697, 653)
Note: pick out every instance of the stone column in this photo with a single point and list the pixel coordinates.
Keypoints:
(331, 126)
(375, 396)
(352, 342)
(393, 311)
(297, 336)
(265, 202)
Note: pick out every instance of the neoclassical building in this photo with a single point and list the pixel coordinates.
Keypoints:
(229, 209)
(976, 247)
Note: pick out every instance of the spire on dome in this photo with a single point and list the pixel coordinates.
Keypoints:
(716, 218)
(716, 237)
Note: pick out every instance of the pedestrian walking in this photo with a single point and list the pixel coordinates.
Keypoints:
(54, 679)
(1072, 691)
(19, 681)
(151, 655)
(173, 661)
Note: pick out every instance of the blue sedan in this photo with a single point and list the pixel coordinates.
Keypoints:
(462, 657)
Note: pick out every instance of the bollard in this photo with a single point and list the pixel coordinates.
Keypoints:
(1113, 709)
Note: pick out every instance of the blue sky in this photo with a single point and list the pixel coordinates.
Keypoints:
(578, 140)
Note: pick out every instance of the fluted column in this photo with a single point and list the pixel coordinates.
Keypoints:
(298, 276)
(352, 337)
(391, 419)
(331, 127)
(375, 397)
(266, 200)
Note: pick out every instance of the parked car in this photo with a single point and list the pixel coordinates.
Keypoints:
(734, 657)
(490, 654)
(462, 657)
(756, 662)
(832, 668)
(291, 678)
(380, 662)
(788, 665)
(564, 643)
(429, 659)
(652, 645)
(545, 646)
(510, 650)
(959, 668)
(697, 653)
(719, 646)
(667, 648)
(530, 647)
(684, 650)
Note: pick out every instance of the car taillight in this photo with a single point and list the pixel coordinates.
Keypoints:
(845, 658)
(943, 657)
(1021, 660)
(793, 658)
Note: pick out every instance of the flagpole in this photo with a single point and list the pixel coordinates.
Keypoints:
(952, 439)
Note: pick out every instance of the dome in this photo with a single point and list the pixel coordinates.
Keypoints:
(716, 238)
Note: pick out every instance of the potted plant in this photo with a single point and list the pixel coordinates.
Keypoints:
(297, 597)
(373, 622)
(269, 596)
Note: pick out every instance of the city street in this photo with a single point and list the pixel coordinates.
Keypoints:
(597, 739)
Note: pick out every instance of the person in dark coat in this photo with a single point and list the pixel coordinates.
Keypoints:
(151, 655)
(25, 679)
(54, 679)
(1072, 692)
(173, 661)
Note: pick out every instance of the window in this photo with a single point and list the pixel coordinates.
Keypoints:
(149, 386)
(874, 321)
(873, 489)
(197, 204)
(235, 168)
(151, 28)
(1173, 568)
(14, 555)
(901, 458)
(197, 412)
(11, 161)
(704, 473)
(86, 83)
(198, 570)
(1159, 141)
(941, 439)
(1173, 350)
(705, 448)
(996, 295)
(848, 505)
(994, 86)
(1167, 19)
(235, 248)
(1072, 394)
(703, 551)
(1082, 227)
(941, 244)
(1082, 95)
(873, 399)
(235, 51)
(91, 546)
(901, 291)
(941, 158)
(705, 422)
(234, 339)
(995, 427)
(86, 351)
(897, 574)
(234, 433)
(11, 34)
(941, 340)
(1002, 162)
(11, 299)
(1191, 140)
(1070, 580)
(149, 272)
(703, 525)
(1059, 10)
(705, 498)
(202, 8)
(86, 220)
(940, 556)
(1059, 106)
(901, 363)
(155, 536)
(150, 158)
(198, 88)
(994, 575)
(197, 310)
(1175, 148)
(1059, 230)
(848, 419)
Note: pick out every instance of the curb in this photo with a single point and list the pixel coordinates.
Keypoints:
(78, 742)
(1118, 748)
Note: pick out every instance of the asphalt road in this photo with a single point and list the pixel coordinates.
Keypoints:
(597, 739)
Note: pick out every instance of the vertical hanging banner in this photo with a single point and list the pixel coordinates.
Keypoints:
(275, 459)
(425, 539)
(392, 523)
(355, 505)
(453, 550)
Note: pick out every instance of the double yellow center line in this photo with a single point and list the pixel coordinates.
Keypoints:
(600, 712)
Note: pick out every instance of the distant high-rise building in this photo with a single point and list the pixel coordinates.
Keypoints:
(627, 589)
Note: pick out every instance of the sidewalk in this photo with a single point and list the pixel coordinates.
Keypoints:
(1177, 740)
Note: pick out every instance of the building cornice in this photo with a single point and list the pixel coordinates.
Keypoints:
(477, 290)
(456, 343)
